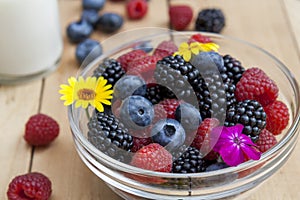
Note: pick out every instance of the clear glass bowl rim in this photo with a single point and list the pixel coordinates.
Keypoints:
(291, 132)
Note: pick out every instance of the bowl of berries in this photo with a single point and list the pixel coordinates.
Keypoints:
(183, 115)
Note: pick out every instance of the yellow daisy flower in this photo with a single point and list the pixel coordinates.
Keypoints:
(187, 50)
(91, 91)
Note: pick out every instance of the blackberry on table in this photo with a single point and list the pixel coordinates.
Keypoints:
(232, 70)
(178, 75)
(210, 20)
(189, 162)
(111, 70)
(110, 136)
(249, 113)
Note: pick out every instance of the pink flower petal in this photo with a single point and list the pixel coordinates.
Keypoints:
(232, 156)
(251, 152)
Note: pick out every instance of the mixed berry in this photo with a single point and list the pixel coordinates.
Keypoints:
(166, 110)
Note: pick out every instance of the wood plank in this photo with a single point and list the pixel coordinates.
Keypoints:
(17, 104)
(70, 177)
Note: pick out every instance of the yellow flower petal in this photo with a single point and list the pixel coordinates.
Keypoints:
(187, 56)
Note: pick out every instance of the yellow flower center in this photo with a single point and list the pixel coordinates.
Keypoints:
(86, 94)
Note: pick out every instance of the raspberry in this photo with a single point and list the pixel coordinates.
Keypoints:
(202, 137)
(199, 38)
(168, 108)
(180, 16)
(277, 117)
(266, 140)
(137, 9)
(126, 58)
(153, 157)
(165, 48)
(29, 186)
(256, 85)
(143, 67)
(138, 143)
(40, 130)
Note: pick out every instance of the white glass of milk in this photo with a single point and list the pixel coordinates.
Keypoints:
(30, 39)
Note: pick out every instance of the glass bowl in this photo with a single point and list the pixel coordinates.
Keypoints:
(135, 183)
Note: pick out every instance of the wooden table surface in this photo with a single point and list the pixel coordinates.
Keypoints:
(273, 25)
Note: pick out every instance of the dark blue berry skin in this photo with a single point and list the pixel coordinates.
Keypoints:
(188, 116)
(168, 133)
(216, 166)
(93, 4)
(145, 46)
(109, 22)
(79, 31)
(129, 85)
(91, 16)
(208, 61)
(88, 49)
(136, 112)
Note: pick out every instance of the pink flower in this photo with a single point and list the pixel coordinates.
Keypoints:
(233, 146)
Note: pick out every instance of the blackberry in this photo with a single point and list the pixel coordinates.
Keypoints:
(249, 113)
(232, 70)
(111, 70)
(214, 96)
(179, 76)
(189, 162)
(154, 94)
(210, 20)
(110, 136)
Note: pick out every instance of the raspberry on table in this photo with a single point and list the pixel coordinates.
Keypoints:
(165, 48)
(168, 108)
(136, 9)
(202, 137)
(256, 85)
(199, 38)
(266, 140)
(138, 143)
(32, 185)
(180, 16)
(41, 130)
(153, 157)
(277, 117)
(143, 67)
(126, 58)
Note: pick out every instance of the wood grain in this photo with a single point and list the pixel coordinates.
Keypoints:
(273, 25)
(17, 104)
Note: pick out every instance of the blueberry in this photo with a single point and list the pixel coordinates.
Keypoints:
(136, 112)
(93, 4)
(216, 166)
(169, 133)
(109, 22)
(88, 50)
(188, 116)
(91, 16)
(208, 61)
(145, 46)
(79, 31)
(129, 85)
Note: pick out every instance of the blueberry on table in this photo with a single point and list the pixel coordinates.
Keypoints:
(169, 133)
(109, 22)
(79, 31)
(91, 16)
(93, 4)
(136, 112)
(88, 50)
